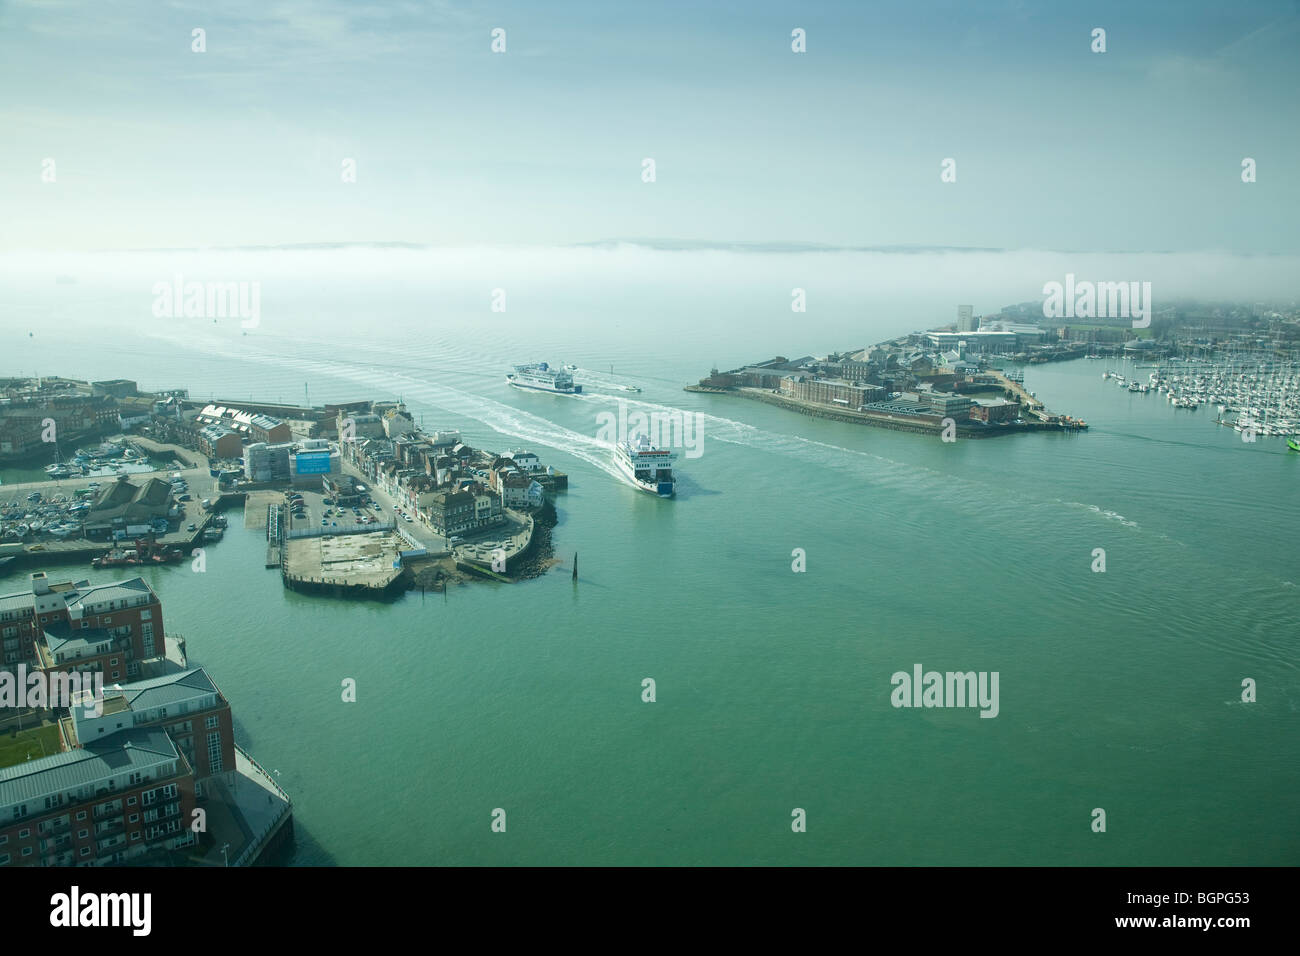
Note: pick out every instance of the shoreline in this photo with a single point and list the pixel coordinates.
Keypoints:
(894, 422)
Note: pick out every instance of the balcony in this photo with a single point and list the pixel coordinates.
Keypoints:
(109, 827)
(56, 846)
(110, 844)
(51, 829)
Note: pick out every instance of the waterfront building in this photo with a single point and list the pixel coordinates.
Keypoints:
(948, 406)
(121, 502)
(902, 406)
(263, 462)
(980, 340)
(186, 704)
(23, 420)
(397, 422)
(466, 510)
(828, 392)
(70, 619)
(445, 438)
(965, 318)
(134, 411)
(219, 441)
(254, 426)
(996, 410)
(526, 460)
(104, 803)
(521, 491)
(88, 650)
(114, 388)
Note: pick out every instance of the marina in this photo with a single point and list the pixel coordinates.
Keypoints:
(1257, 397)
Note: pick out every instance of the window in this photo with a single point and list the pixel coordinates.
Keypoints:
(20, 811)
(135, 818)
(130, 801)
(146, 615)
(4, 859)
(214, 753)
(85, 851)
(117, 674)
(82, 834)
(24, 833)
(212, 722)
(108, 621)
(27, 851)
(81, 815)
(113, 663)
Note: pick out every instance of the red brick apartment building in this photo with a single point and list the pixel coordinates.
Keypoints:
(102, 804)
(186, 704)
(79, 627)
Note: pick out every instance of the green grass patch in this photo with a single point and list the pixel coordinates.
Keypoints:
(36, 741)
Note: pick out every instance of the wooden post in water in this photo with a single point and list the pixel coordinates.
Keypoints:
(575, 565)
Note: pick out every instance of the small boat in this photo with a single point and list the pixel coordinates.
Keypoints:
(1293, 443)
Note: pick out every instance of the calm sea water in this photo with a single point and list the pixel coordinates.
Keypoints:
(1118, 690)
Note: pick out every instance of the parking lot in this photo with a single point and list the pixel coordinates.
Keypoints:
(309, 509)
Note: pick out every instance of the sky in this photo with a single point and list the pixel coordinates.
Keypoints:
(1056, 147)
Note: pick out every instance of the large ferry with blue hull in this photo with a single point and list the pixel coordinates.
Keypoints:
(649, 468)
(542, 378)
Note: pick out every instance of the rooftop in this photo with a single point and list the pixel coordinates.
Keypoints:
(63, 773)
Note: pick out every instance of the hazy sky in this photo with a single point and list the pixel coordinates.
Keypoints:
(1135, 149)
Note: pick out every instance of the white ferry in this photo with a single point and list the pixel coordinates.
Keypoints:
(650, 468)
(543, 378)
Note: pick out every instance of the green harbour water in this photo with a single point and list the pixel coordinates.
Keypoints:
(1119, 690)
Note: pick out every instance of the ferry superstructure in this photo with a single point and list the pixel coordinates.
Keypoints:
(649, 467)
(542, 378)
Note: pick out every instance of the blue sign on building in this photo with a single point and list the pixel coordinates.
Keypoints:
(314, 464)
